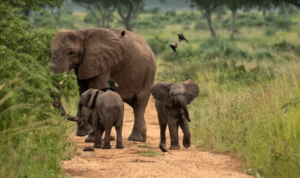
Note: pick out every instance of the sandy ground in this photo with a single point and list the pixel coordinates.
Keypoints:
(127, 162)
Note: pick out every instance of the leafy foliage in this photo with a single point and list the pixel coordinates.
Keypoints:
(45, 20)
(158, 44)
(30, 139)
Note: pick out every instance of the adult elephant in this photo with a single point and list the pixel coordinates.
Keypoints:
(98, 54)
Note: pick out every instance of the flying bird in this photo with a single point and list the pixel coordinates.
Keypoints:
(162, 149)
(123, 33)
(174, 46)
(181, 38)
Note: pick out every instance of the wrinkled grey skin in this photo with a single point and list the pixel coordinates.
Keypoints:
(170, 99)
(107, 110)
(98, 54)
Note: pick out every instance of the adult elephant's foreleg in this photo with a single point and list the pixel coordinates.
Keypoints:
(139, 128)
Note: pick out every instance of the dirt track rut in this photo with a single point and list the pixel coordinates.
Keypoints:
(191, 162)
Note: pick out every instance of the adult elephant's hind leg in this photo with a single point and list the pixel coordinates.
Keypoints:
(139, 129)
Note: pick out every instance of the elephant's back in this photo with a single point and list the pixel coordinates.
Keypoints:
(111, 99)
(136, 72)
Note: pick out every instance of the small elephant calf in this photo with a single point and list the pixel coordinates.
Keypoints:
(170, 98)
(107, 111)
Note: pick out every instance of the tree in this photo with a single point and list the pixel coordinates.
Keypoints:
(128, 10)
(105, 7)
(26, 5)
(234, 5)
(207, 7)
(56, 11)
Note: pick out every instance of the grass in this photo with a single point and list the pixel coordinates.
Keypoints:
(237, 112)
(143, 146)
(28, 148)
(150, 153)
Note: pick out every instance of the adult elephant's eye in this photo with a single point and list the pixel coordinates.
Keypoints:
(71, 53)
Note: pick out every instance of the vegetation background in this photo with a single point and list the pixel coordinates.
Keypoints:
(244, 56)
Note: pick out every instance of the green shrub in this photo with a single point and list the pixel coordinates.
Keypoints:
(46, 20)
(33, 135)
(283, 24)
(153, 10)
(147, 23)
(90, 18)
(68, 12)
(170, 13)
(158, 45)
(213, 48)
(270, 31)
(201, 25)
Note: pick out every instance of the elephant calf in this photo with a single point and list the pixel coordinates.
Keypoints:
(170, 98)
(107, 111)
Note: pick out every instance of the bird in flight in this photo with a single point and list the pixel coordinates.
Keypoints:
(181, 38)
(174, 46)
(162, 149)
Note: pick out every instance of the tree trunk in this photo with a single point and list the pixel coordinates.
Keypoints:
(219, 13)
(286, 9)
(126, 19)
(264, 12)
(127, 25)
(212, 30)
(233, 27)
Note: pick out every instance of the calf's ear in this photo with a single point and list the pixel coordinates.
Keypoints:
(192, 90)
(88, 97)
(160, 92)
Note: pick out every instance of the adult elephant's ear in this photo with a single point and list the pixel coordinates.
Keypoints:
(192, 90)
(89, 97)
(161, 92)
(103, 49)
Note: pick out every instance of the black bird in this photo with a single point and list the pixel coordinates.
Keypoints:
(174, 46)
(123, 33)
(181, 38)
(110, 83)
(163, 149)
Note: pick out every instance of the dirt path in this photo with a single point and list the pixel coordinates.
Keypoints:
(127, 162)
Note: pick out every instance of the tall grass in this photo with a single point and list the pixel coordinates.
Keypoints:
(258, 123)
(29, 147)
(248, 107)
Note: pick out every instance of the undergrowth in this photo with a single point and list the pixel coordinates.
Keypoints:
(247, 107)
(33, 135)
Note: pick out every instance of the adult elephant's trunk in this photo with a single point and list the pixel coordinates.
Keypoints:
(183, 106)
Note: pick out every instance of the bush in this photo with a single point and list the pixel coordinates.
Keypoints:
(33, 135)
(147, 23)
(158, 45)
(270, 31)
(201, 25)
(89, 18)
(68, 12)
(213, 48)
(170, 13)
(283, 24)
(46, 20)
(153, 10)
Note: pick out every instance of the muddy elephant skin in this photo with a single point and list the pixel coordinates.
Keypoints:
(170, 99)
(107, 110)
(97, 54)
